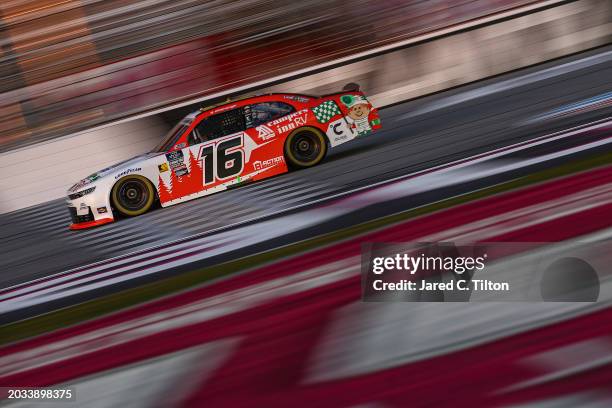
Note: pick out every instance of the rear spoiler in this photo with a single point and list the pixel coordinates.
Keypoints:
(350, 87)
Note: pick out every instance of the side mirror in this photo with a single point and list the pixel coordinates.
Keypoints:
(351, 87)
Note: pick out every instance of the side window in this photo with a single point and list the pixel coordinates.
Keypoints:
(195, 137)
(263, 112)
(219, 125)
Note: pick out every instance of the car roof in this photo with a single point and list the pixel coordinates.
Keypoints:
(231, 101)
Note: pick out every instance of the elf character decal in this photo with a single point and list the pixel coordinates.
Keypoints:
(358, 113)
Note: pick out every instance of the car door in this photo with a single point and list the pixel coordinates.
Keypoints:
(266, 159)
(212, 158)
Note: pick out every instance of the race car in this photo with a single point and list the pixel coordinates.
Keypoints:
(222, 147)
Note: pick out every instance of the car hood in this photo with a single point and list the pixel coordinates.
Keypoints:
(92, 179)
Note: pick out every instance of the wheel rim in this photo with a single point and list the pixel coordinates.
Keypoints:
(306, 147)
(133, 195)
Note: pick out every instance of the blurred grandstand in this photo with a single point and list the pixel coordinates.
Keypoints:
(70, 65)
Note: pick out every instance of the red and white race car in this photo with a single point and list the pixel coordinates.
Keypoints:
(225, 146)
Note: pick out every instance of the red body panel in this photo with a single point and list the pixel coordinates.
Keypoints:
(222, 147)
(260, 149)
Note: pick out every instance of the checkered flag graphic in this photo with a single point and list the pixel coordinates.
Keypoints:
(325, 111)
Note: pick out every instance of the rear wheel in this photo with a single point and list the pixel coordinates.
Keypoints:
(305, 147)
(133, 195)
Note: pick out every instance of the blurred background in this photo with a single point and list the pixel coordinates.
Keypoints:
(496, 128)
(70, 65)
(93, 70)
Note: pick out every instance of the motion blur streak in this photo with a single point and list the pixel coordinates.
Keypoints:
(390, 74)
(295, 332)
(69, 65)
(236, 237)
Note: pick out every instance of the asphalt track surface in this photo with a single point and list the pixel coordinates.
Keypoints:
(416, 135)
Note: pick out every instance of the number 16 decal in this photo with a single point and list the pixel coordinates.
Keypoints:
(222, 160)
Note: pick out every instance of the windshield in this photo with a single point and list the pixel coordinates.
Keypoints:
(172, 136)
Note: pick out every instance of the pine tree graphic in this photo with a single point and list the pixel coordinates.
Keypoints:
(195, 180)
(164, 194)
(177, 185)
(181, 186)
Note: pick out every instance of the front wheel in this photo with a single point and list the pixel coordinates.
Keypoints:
(133, 195)
(305, 147)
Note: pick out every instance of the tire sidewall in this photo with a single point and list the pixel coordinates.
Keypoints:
(127, 212)
(292, 160)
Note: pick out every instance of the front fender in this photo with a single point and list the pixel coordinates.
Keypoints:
(97, 204)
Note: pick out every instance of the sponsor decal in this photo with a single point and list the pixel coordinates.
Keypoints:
(291, 117)
(78, 185)
(297, 98)
(83, 206)
(339, 132)
(335, 128)
(163, 167)
(285, 128)
(263, 164)
(101, 210)
(239, 182)
(181, 171)
(264, 132)
(74, 196)
(224, 108)
(84, 182)
(325, 111)
(128, 171)
(358, 113)
(290, 122)
(300, 120)
(248, 116)
(341, 138)
(176, 159)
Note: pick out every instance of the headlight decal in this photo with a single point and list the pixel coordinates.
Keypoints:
(82, 193)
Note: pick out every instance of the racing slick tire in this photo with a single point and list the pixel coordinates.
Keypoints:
(305, 147)
(133, 195)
